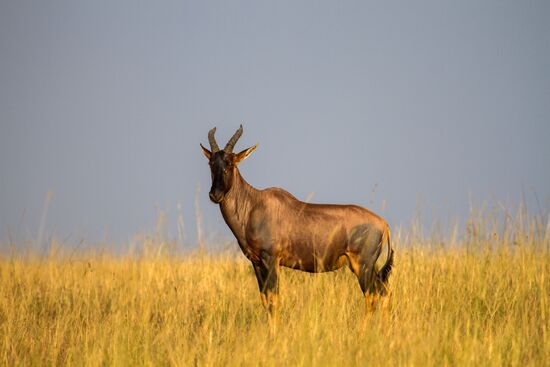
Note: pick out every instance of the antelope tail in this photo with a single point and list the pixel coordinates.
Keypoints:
(386, 269)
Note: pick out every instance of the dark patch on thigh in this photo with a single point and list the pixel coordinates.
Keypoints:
(364, 242)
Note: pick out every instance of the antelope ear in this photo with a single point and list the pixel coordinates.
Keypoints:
(206, 152)
(241, 156)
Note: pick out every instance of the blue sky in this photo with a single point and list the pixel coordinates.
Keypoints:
(383, 104)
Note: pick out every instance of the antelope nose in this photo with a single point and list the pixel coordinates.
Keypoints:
(215, 198)
(212, 196)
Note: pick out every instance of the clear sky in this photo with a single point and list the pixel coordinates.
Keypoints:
(379, 103)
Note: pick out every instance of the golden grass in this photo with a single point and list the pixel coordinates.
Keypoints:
(481, 302)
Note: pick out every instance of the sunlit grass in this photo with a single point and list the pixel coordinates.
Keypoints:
(482, 300)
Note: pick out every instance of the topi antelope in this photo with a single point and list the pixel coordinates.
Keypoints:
(275, 229)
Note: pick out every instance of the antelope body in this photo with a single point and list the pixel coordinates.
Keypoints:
(275, 229)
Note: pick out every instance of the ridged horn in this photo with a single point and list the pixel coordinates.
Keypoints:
(212, 140)
(231, 143)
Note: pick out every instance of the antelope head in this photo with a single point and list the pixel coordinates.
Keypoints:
(223, 164)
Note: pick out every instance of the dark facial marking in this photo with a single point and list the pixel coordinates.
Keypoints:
(221, 168)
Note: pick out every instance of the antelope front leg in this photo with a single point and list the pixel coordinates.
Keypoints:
(268, 281)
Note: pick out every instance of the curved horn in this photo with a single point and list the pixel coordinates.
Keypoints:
(231, 143)
(212, 140)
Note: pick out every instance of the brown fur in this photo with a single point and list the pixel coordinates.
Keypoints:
(274, 229)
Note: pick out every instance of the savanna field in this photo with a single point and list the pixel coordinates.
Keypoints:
(474, 297)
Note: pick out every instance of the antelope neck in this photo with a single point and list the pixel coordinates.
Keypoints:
(237, 204)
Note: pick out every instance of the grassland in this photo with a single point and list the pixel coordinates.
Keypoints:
(477, 299)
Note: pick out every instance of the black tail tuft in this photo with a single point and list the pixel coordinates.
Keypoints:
(386, 269)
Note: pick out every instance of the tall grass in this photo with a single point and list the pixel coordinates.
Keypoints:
(479, 298)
